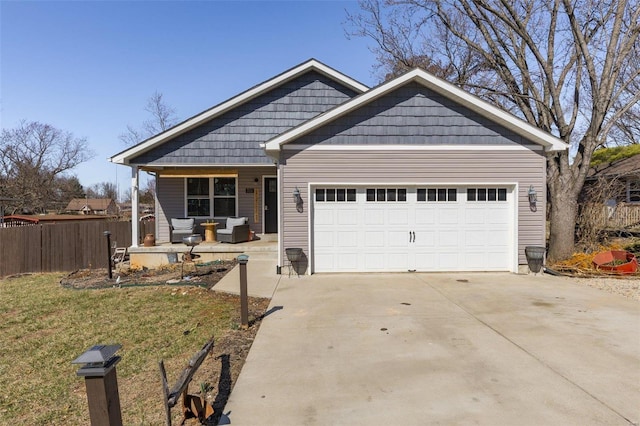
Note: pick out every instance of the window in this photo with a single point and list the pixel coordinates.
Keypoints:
(633, 194)
(208, 197)
(339, 195)
(224, 197)
(486, 194)
(387, 194)
(198, 200)
(437, 194)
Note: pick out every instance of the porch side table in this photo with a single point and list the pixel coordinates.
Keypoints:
(209, 231)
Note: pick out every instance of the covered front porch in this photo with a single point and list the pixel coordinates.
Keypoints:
(264, 247)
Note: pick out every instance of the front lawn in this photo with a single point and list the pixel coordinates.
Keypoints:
(44, 326)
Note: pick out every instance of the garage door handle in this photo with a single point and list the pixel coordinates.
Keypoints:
(414, 237)
(409, 236)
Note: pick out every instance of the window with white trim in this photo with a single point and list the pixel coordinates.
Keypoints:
(486, 194)
(211, 197)
(386, 194)
(437, 194)
(339, 195)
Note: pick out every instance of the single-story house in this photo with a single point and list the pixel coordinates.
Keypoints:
(623, 177)
(611, 194)
(414, 174)
(99, 206)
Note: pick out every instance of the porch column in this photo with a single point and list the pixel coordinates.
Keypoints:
(135, 219)
(280, 222)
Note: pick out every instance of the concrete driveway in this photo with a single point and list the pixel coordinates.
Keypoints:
(417, 349)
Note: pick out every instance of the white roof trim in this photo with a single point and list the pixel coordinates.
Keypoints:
(413, 147)
(312, 64)
(511, 122)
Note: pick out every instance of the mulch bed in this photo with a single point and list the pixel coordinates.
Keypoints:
(205, 275)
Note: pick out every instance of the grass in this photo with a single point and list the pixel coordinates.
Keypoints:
(43, 327)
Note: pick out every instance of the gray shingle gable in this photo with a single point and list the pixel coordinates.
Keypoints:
(412, 114)
(235, 137)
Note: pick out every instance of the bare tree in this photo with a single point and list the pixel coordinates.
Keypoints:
(148, 193)
(567, 67)
(162, 117)
(103, 190)
(32, 156)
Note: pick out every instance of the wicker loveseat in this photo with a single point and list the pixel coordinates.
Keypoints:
(236, 231)
(180, 227)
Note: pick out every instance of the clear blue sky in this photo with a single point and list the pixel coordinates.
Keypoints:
(89, 67)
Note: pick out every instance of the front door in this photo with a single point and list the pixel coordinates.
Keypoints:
(270, 205)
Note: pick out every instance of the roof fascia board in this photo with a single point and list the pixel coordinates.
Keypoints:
(548, 141)
(312, 64)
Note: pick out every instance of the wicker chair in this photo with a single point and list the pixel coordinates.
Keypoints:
(236, 231)
(180, 227)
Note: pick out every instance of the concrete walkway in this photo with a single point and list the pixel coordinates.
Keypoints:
(416, 349)
(262, 279)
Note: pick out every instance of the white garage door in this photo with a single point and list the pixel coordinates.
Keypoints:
(357, 229)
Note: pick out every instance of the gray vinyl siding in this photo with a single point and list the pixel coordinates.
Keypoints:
(234, 137)
(246, 206)
(170, 203)
(524, 167)
(412, 115)
(171, 200)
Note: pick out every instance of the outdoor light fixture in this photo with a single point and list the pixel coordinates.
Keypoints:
(533, 198)
(297, 198)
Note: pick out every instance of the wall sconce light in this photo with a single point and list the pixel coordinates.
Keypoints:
(533, 198)
(297, 198)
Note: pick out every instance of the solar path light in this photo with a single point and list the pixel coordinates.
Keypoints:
(244, 302)
(99, 372)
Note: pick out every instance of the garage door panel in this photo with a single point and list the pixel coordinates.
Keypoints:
(448, 261)
(448, 216)
(475, 259)
(373, 217)
(398, 238)
(497, 238)
(448, 238)
(324, 240)
(426, 260)
(398, 217)
(374, 239)
(347, 261)
(425, 238)
(497, 260)
(347, 217)
(397, 262)
(324, 262)
(475, 238)
(497, 216)
(323, 217)
(425, 216)
(348, 239)
(475, 216)
(374, 261)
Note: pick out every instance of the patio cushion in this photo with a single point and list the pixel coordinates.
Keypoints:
(224, 231)
(182, 223)
(235, 221)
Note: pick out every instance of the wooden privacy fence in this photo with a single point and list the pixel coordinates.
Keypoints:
(622, 216)
(60, 247)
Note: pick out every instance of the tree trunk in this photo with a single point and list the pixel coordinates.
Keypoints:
(564, 210)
